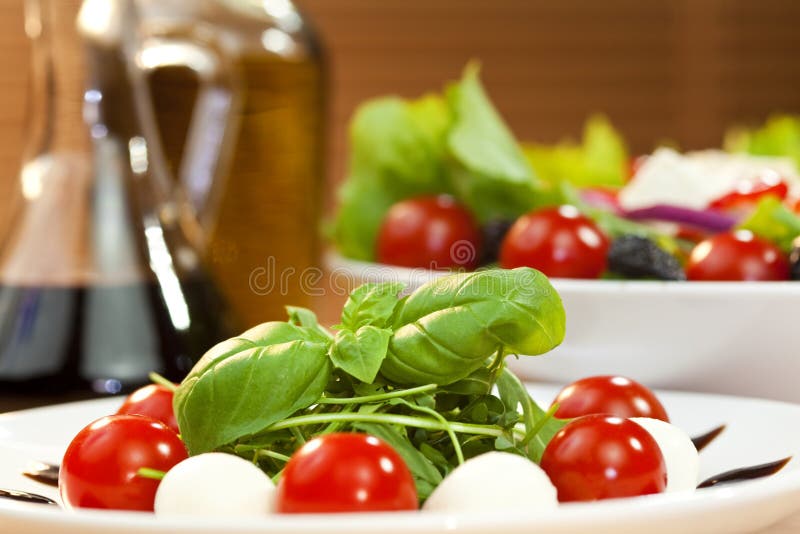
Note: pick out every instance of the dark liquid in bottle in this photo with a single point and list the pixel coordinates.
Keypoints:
(99, 340)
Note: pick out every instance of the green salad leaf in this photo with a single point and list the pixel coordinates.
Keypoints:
(773, 221)
(779, 136)
(600, 160)
(419, 372)
(245, 384)
(455, 143)
(448, 328)
(488, 170)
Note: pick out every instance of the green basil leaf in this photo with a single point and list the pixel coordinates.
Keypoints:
(479, 382)
(360, 353)
(425, 474)
(515, 396)
(245, 384)
(371, 304)
(302, 317)
(449, 327)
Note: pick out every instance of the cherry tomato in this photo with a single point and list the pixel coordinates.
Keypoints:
(430, 232)
(747, 193)
(608, 395)
(599, 457)
(737, 255)
(344, 472)
(100, 466)
(153, 401)
(560, 242)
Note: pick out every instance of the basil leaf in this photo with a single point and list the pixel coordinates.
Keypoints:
(245, 384)
(449, 327)
(489, 172)
(426, 476)
(515, 395)
(302, 317)
(371, 304)
(360, 353)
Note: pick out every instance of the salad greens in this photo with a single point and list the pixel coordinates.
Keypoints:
(601, 160)
(773, 221)
(454, 143)
(779, 136)
(420, 372)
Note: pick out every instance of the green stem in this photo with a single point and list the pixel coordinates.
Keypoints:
(146, 472)
(378, 396)
(301, 439)
(156, 378)
(383, 418)
(448, 426)
(273, 454)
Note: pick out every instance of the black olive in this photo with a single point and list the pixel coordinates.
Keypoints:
(493, 233)
(794, 259)
(634, 256)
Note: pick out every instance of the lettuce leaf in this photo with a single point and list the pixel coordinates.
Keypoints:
(779, 136)
(488, 171)
(773, 221)
(454, 144)
(398, 151)
(600, 160)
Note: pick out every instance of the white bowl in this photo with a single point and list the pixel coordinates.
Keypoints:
(739, 338)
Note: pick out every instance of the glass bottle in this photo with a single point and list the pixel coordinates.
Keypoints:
(99, 282)
(262, 124)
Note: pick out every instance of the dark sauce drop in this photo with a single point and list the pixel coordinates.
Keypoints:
(702, 441)
(745, 473)
(43, 473)
(24, 496)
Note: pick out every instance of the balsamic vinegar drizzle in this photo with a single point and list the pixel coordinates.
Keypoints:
(43, 473)
(745, 473)
(702, 441)
(24, 496)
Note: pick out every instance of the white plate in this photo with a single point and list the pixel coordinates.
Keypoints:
(758, 431)
(724, 337)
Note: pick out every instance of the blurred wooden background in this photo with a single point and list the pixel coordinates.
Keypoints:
(661, 69)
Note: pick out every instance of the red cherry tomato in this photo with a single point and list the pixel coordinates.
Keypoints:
(153, 401)
(747, 193)
(598, 457)
(608, 395)
(344, 472)
(560, 242)
(737, 255)
(100, 466)
(429, 232)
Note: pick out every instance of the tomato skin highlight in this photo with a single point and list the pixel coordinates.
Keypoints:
(737, 256)
(100, 466)
(153, 400)
(560, 242)
(596, 457)
(608, 395)
(432, 232)
(344, 472)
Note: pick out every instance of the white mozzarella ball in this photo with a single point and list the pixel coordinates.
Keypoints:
(680, 454)
(494, 481)
(215, 485)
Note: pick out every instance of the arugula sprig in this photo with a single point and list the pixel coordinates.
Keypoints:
(425, 372)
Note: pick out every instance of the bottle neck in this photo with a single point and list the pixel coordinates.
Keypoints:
(58, 78)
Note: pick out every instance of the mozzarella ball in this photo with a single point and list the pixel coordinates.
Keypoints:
(491, 482)
(680, 455)
(215, 485)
